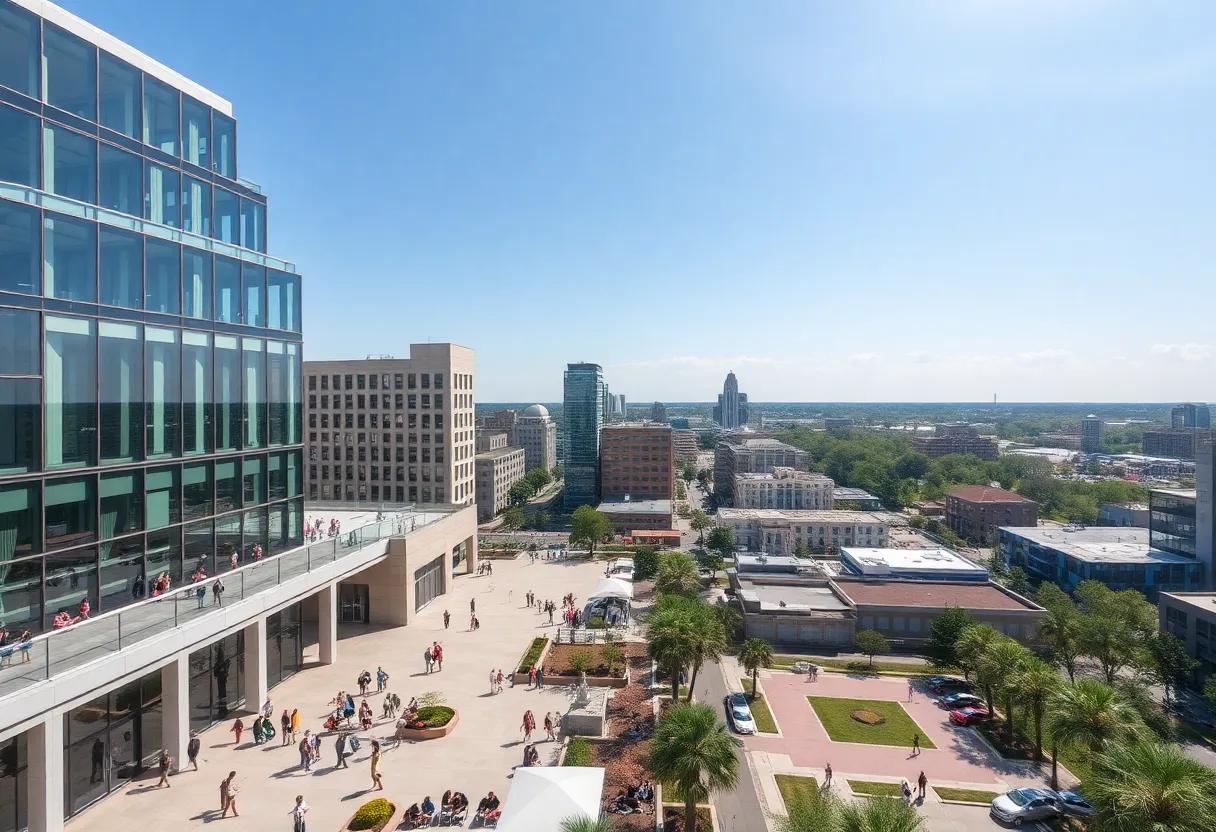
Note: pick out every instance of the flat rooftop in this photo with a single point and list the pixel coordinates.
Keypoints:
(802, 515)
(1098, 544)
(1181, 493)
(839, 493)
(913, 559)
(934, 595)
(635, 507)
(1201, 600)
(499, 452)
(792, 597)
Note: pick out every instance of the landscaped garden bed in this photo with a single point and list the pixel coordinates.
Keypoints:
(373, 816)
(872, 721)
(433, 720)
(625, 755)
(572, 660)
(673, 819)
(759, 708)
(793, 786)
(966, 795)
(873, 788)
(532, 657)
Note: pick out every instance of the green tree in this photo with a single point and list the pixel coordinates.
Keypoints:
(941, 646)
(1141, 786)
(704, 477)
(709, 644)
(512, 518)
(540, 520)
(700, 522)
(613, 655)
(1036, 683)
(585, 823)
(1000, 665)
(520, 493)
(729, 617)
(870, 643)
(714, 563)
(677, 575)
(879, 814)
(557, 472)
(722, 541)
(689, 472)
(753, 655)
(1060, 630)
(672, 638)
(692, 750)
(1016, 580)
(645, 562)
(1089, 714)
(969, 651)
(589, 527)
(1110, 641)
(538, 478)
(1171, 666)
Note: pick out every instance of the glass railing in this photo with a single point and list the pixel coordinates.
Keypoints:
(25, 663)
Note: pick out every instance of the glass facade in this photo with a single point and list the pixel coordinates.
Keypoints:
(150, 376)
(1172, 524)
(583, 395)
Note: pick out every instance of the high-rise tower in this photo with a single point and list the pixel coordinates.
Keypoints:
(583, 416)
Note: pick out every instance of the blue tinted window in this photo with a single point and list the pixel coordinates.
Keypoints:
(254, 279)
(160, 115)
(18, 50)
(69, 248)
(19, 230)
(196, 206)
(227, 290)
(226, 210)
(18, 147)
(164, 276)
(196, 283)
(161, 200)
(122, 269)
(121, 180)
(196, 132)
(223, 147)
(282, 300)
(253, 225)
(69, 166)
(71, 73)
(71, 398)
(119, 96)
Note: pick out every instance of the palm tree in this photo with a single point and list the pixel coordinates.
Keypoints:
(1036, 684)
(999, 666)
(694, 751)
(585, 823)
(730, 618)
(753, 655)
(1059, 631)
(878, 814)
(1090, 714)
(677, 575)
(709, 643)
(673, 638)
(1151, 786)
(971, 644)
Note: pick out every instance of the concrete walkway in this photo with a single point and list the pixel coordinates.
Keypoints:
(478, 756)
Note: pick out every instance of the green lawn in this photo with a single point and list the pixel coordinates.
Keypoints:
(875, 789)
(836, 716)
(785, 661)
(972, 795)
(793, 787)
(760, 712)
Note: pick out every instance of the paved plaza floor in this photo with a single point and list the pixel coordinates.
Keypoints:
(478, 756)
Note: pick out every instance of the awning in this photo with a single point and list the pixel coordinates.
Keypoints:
(612, 588)
(542, 796)
(659, 534)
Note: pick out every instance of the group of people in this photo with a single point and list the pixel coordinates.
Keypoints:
(529, 725)
(432, 657)
(485, 567)
(633, 799)
(542, 607)
(9, 643)
(312, 530)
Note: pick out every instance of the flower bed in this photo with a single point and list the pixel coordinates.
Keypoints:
(562, 660)
(535, 656)
(433, 721)
(372, 816)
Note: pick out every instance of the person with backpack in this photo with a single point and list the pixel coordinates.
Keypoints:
(340, 748)
(306, 752)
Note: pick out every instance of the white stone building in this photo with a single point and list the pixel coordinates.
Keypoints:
(784, 488)
(782, 531)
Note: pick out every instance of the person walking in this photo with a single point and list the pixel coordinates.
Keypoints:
(447, 618)
(472, 606)
(437, 655)
(909, 690)
(381, 679)
(549, 727)
(499, 678)
(540, 678)
(528, 725)
(375, 762)
(827, 776)
(532, 676)
(237, 728)
(427, 658)
(306, 752)
(192, 749)
(921, 783)
(340, 748)
(217, 593)
(915, 745)
(228, 795)
(285, 725)
(297, 814)
(165, 762)
(295, 723)
(493, 681)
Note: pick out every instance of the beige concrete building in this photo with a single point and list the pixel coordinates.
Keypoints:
(637, 461)
(784, 488)
(536, 433)
(628, 516)
(782, 531)
(740, 453)
(496, 471)
(490, 440)
(392, 430)
(686, 447)
(1191, 616)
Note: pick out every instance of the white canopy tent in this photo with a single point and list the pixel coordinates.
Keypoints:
(613, 588)
(542, 796)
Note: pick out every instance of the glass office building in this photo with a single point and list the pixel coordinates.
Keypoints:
(150, 349)
(583, 417)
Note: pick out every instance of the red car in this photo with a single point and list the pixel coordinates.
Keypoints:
(969, 716)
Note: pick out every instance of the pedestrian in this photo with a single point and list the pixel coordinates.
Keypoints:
(550, 612)
(297, 814)
(447, 618)
(909, 690)
(493, 681)
(237, 728)
(528, 725)
(915, 744)
(921, 783)
(476, 623)
(200, 593)
(472, 623)
(316, 747)
(472, 606)
(540, 677)
(217, 593)
(376, 766)
(340, 748)
(827, 776)
(905, 790)
(192, 749)
(427, 658)
(381, 679)
(165, 762)
(531, 676)
(549, 727)
(295, 723)
(499, 679)
(285, 724)
(437, 655)
(228, 795)
(306, 752)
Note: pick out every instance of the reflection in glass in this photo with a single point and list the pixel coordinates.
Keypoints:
(227, 290)
(277, 381)
(295, 406)
(119, 96)
(223, 153)
(226, 216)
(19, 247)
(164, 505)
(295, 473)
(200, 546)
(69, 250)
(255, 532)
(122, 178)
(196, 283)
(19, 31)
(229, 414)
(71, 389)
(160, 115)
(21, 590)
(122, 397)
(20, 524)
(19, 148)
(20, 421)
(196, 206)
(227, 486)
(164, 276)
(122, 562)
(197, 408)
(122, 503)
(227, 541)
(253, 476)
(254, 279)
(69, 163)
(70, 512)
(161, 201)
(253, 225)
(197, 487)
(70, 72)
(164, 555)
(162, 386)
(122, 268)
(254, 399)
(196, 132)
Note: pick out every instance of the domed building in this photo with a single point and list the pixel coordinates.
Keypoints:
(537, 433)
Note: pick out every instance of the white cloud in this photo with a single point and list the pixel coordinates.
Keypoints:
(1187, 352)
(922, 356)
(865, 358)
(705, 362)
(1044, 356)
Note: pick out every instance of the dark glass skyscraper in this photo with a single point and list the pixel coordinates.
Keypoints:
(150, 375)
(583, 417)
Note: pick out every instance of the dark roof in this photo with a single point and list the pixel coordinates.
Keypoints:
(932, 594)
(987, 494)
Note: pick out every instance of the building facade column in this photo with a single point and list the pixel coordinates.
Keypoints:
(327, 624)
(255, 664)
(44, 774)
(470, 551)
(175, 707)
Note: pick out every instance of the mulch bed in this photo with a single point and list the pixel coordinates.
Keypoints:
(557, 663)
(626, 759)
(673, 819)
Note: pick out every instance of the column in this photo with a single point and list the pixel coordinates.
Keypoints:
(44, 775)
(470, 552)
(255, 664)
(175, 706)
(327, 624)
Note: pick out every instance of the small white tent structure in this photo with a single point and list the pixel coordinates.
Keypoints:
(613, 588)
(542, 796)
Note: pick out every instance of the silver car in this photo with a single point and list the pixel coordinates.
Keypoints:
(1020, 805)
(739, 713)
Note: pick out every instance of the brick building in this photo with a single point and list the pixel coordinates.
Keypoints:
(638, 461)
(976, 512)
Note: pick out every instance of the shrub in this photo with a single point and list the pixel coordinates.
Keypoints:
(373, 814)
(435, 716)
(580, 661)
(578, 753)
(614, 655)
(532, 656)
(645, 562)
(596, 622)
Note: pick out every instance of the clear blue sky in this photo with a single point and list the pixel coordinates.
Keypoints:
(884, 200)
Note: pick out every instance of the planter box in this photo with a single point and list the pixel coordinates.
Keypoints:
(522, 678)
(393, 820)
(592, 681)
(416, 734)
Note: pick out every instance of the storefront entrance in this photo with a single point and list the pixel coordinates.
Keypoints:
(352, 603)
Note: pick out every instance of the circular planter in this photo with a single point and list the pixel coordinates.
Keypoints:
(416, 734)
(390, 824)
(868, 717)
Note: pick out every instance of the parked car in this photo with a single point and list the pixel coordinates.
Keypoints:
(1020, 805)
(1075, 805)
(738, 714)
(962, 700)
(970, 716)
(949, 684)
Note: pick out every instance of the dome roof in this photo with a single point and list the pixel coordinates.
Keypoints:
(535, 410)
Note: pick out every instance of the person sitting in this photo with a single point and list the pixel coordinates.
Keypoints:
(626, 804)
(487, 808)
(445, 802)
(533, 756)
(413, 816)
(460, 803)
(428, 809)
(646, 791)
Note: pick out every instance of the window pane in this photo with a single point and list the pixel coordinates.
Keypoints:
(162, 386)
(196, 132)
(71, 406)
(20, 421)
(200, 547)
(254, 400)
(121, 181)
(254, 279)
(69, 512)
(295, 473)
(282, 300)
(196, 283)
(227, 290)
(19, 50)
(196, 392)
(197, 486)
(19, 245)
(121, 563)
(164, 276)
(255, 532)
(70, 579)
(122, 399)
(160, 195)
(253, 475)
(223, 153)
(71, 73)
(69, 164)
(227, 487)
(122, 503)
(19, 348)
(227, 542)
(164, 506)
(18, 146)
(196, 206)
(277, 476)
(122, 269)
(295, 405)
(70, 251)
(253, 225)
(226, 210)
(119, 96)
(160, 115)
(277, 390)
(228, 411)
(20, 532)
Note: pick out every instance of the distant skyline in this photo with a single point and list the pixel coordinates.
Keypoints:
(881, 200)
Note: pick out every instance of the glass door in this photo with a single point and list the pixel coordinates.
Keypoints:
(352, 603)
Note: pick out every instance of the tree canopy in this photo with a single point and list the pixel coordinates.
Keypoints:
(589, 527)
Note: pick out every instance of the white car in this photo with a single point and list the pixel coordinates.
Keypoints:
(738, 714)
